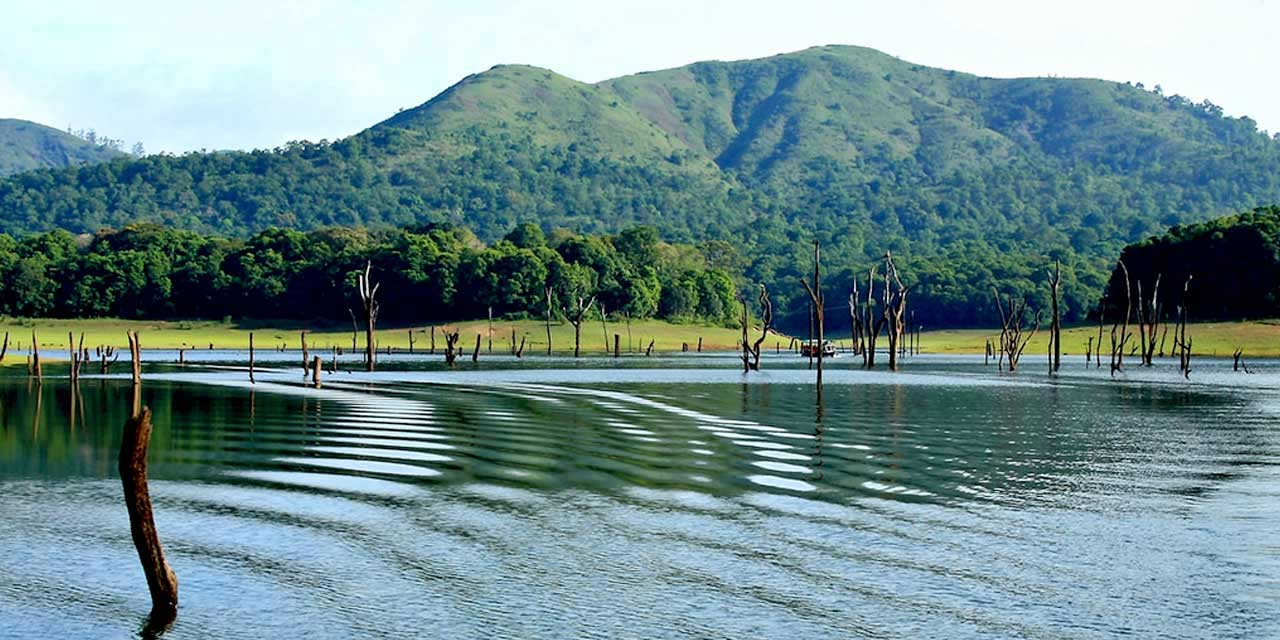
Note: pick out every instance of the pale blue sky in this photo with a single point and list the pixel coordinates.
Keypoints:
(183, 75)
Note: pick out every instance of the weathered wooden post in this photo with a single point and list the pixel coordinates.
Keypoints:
(161, 581)
(4, 348)
(617, 345)
(433, 340)
(490, 329)
(699, 344)
(475, 355)
(182, 357)
(306, 360)
(411, 342)
(315, 371)
(251, 380)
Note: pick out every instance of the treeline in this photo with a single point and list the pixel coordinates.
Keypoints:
(1233, 264)
(429, 273)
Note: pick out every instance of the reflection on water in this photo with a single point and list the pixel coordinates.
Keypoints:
(519, 501)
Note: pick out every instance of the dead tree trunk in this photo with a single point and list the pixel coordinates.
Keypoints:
(315, 371)
(4, 349)
(306, 360)
(548, 292)
(766, 325)
(744, 324)
(135, 356)
(1181, 341)
(1151, 325)
(895, 309)
(475, 355)
(575, 319)
(433, 340)
(1118, 345)
(871, 327)
(251, 380)
(368, 297)
(617, 345)
(355, 329)
(35, 369)
(1055, 326)
(604, 328)
(816, 300)
(450, 347)
(161, 581)
(1097, 352)
(1012, 328)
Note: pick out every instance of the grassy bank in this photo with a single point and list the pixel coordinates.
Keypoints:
(52, 335)
(1256, 338)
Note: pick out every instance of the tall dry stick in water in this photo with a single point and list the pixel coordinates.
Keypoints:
(548, 291)
(816, 299)
(161, 580)
(744, 322)
(4, 349)
(251, 380)
(368, 297)
(1055, 326)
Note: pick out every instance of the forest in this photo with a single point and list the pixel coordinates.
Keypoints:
(429, 273)
(1230, 267)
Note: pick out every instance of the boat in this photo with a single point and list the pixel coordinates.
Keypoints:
(809, 349)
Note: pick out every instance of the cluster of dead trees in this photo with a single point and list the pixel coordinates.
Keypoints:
(1018, 325)
(871, 315)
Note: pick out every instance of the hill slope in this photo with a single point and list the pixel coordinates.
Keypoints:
(862, 150)
(25, 146)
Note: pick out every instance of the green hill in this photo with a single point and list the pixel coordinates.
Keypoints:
(25, 146)
(980, 178)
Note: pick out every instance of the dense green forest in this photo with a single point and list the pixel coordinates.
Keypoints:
(430, 273)
(1233, 263)
(968, 180)
(26, 146)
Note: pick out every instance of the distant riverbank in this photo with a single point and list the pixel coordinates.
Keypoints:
(1257, 338)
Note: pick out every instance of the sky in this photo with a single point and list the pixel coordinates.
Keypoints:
(234, 74)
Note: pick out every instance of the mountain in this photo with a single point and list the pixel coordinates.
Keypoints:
(848, 145)
(25, 146)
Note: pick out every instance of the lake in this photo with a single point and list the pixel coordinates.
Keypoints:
(652, 498)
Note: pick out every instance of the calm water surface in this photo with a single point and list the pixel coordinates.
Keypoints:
(604, 499)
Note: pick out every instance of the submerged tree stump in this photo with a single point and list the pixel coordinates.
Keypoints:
(161, 580)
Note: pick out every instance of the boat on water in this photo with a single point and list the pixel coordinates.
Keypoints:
(809, 349)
